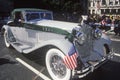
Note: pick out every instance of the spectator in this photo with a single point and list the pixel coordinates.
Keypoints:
(103, 23)
(108, 20)
(103, 16)
(119, 27)
(116, 29)
(108, 23)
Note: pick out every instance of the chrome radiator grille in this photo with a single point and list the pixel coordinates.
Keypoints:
(85, 49)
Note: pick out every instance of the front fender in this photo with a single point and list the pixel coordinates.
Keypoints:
(106, 39)
(100, 43)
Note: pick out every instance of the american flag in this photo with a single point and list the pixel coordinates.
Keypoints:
(70, 60)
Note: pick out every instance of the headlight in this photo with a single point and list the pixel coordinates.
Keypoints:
(97, 33)
(81, 38)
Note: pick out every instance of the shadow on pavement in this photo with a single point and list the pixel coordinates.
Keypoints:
(6, 61)
(108, 71)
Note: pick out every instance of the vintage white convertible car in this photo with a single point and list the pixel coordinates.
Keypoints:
(72, 50)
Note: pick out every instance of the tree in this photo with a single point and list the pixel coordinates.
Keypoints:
(6, 5)
(67, 6)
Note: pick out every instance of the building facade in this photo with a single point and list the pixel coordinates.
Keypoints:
(108, 7)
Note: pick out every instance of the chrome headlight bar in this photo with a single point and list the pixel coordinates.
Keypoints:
(80, 38)
(97, 33)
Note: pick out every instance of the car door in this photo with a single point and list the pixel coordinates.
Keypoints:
(18, 28)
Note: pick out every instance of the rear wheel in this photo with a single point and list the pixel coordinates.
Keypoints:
(55, 65)
(6, 39)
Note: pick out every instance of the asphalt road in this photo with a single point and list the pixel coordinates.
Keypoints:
(11, 67)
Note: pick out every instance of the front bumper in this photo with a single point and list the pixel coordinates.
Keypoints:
(84, 72)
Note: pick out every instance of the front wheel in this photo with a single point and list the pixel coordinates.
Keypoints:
(55, 65)
(106, 50)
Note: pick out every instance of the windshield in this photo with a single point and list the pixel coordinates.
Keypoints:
(38, 15)
(32, 16)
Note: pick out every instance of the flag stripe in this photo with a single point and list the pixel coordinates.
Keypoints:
(67, 62)
(73, 61)
(70, 61)
(68, 58)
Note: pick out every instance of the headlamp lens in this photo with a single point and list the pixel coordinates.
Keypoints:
(97, 33)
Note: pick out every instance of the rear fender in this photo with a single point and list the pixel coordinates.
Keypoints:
(4, 28)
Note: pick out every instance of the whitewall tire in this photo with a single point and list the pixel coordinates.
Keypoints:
(55, 65)
(6, 39)
(104, 49)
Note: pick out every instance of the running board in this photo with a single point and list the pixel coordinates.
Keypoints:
(20, 47)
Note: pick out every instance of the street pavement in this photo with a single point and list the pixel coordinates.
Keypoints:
(12, 69)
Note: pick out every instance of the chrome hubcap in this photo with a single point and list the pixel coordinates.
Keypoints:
(57, 66)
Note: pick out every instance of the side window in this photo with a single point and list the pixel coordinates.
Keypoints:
(32, 16)
(28, 16)
(18, 17)
(46, 16)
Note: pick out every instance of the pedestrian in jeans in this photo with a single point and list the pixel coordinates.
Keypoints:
(116, 29)
(119, 28)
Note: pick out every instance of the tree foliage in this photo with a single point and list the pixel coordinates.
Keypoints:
(6, 5)
(64, 5)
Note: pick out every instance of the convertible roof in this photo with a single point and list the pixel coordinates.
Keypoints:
(29, 9)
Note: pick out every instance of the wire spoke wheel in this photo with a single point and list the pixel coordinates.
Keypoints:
(55, 65)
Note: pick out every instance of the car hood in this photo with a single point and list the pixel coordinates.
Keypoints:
(57, 24)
